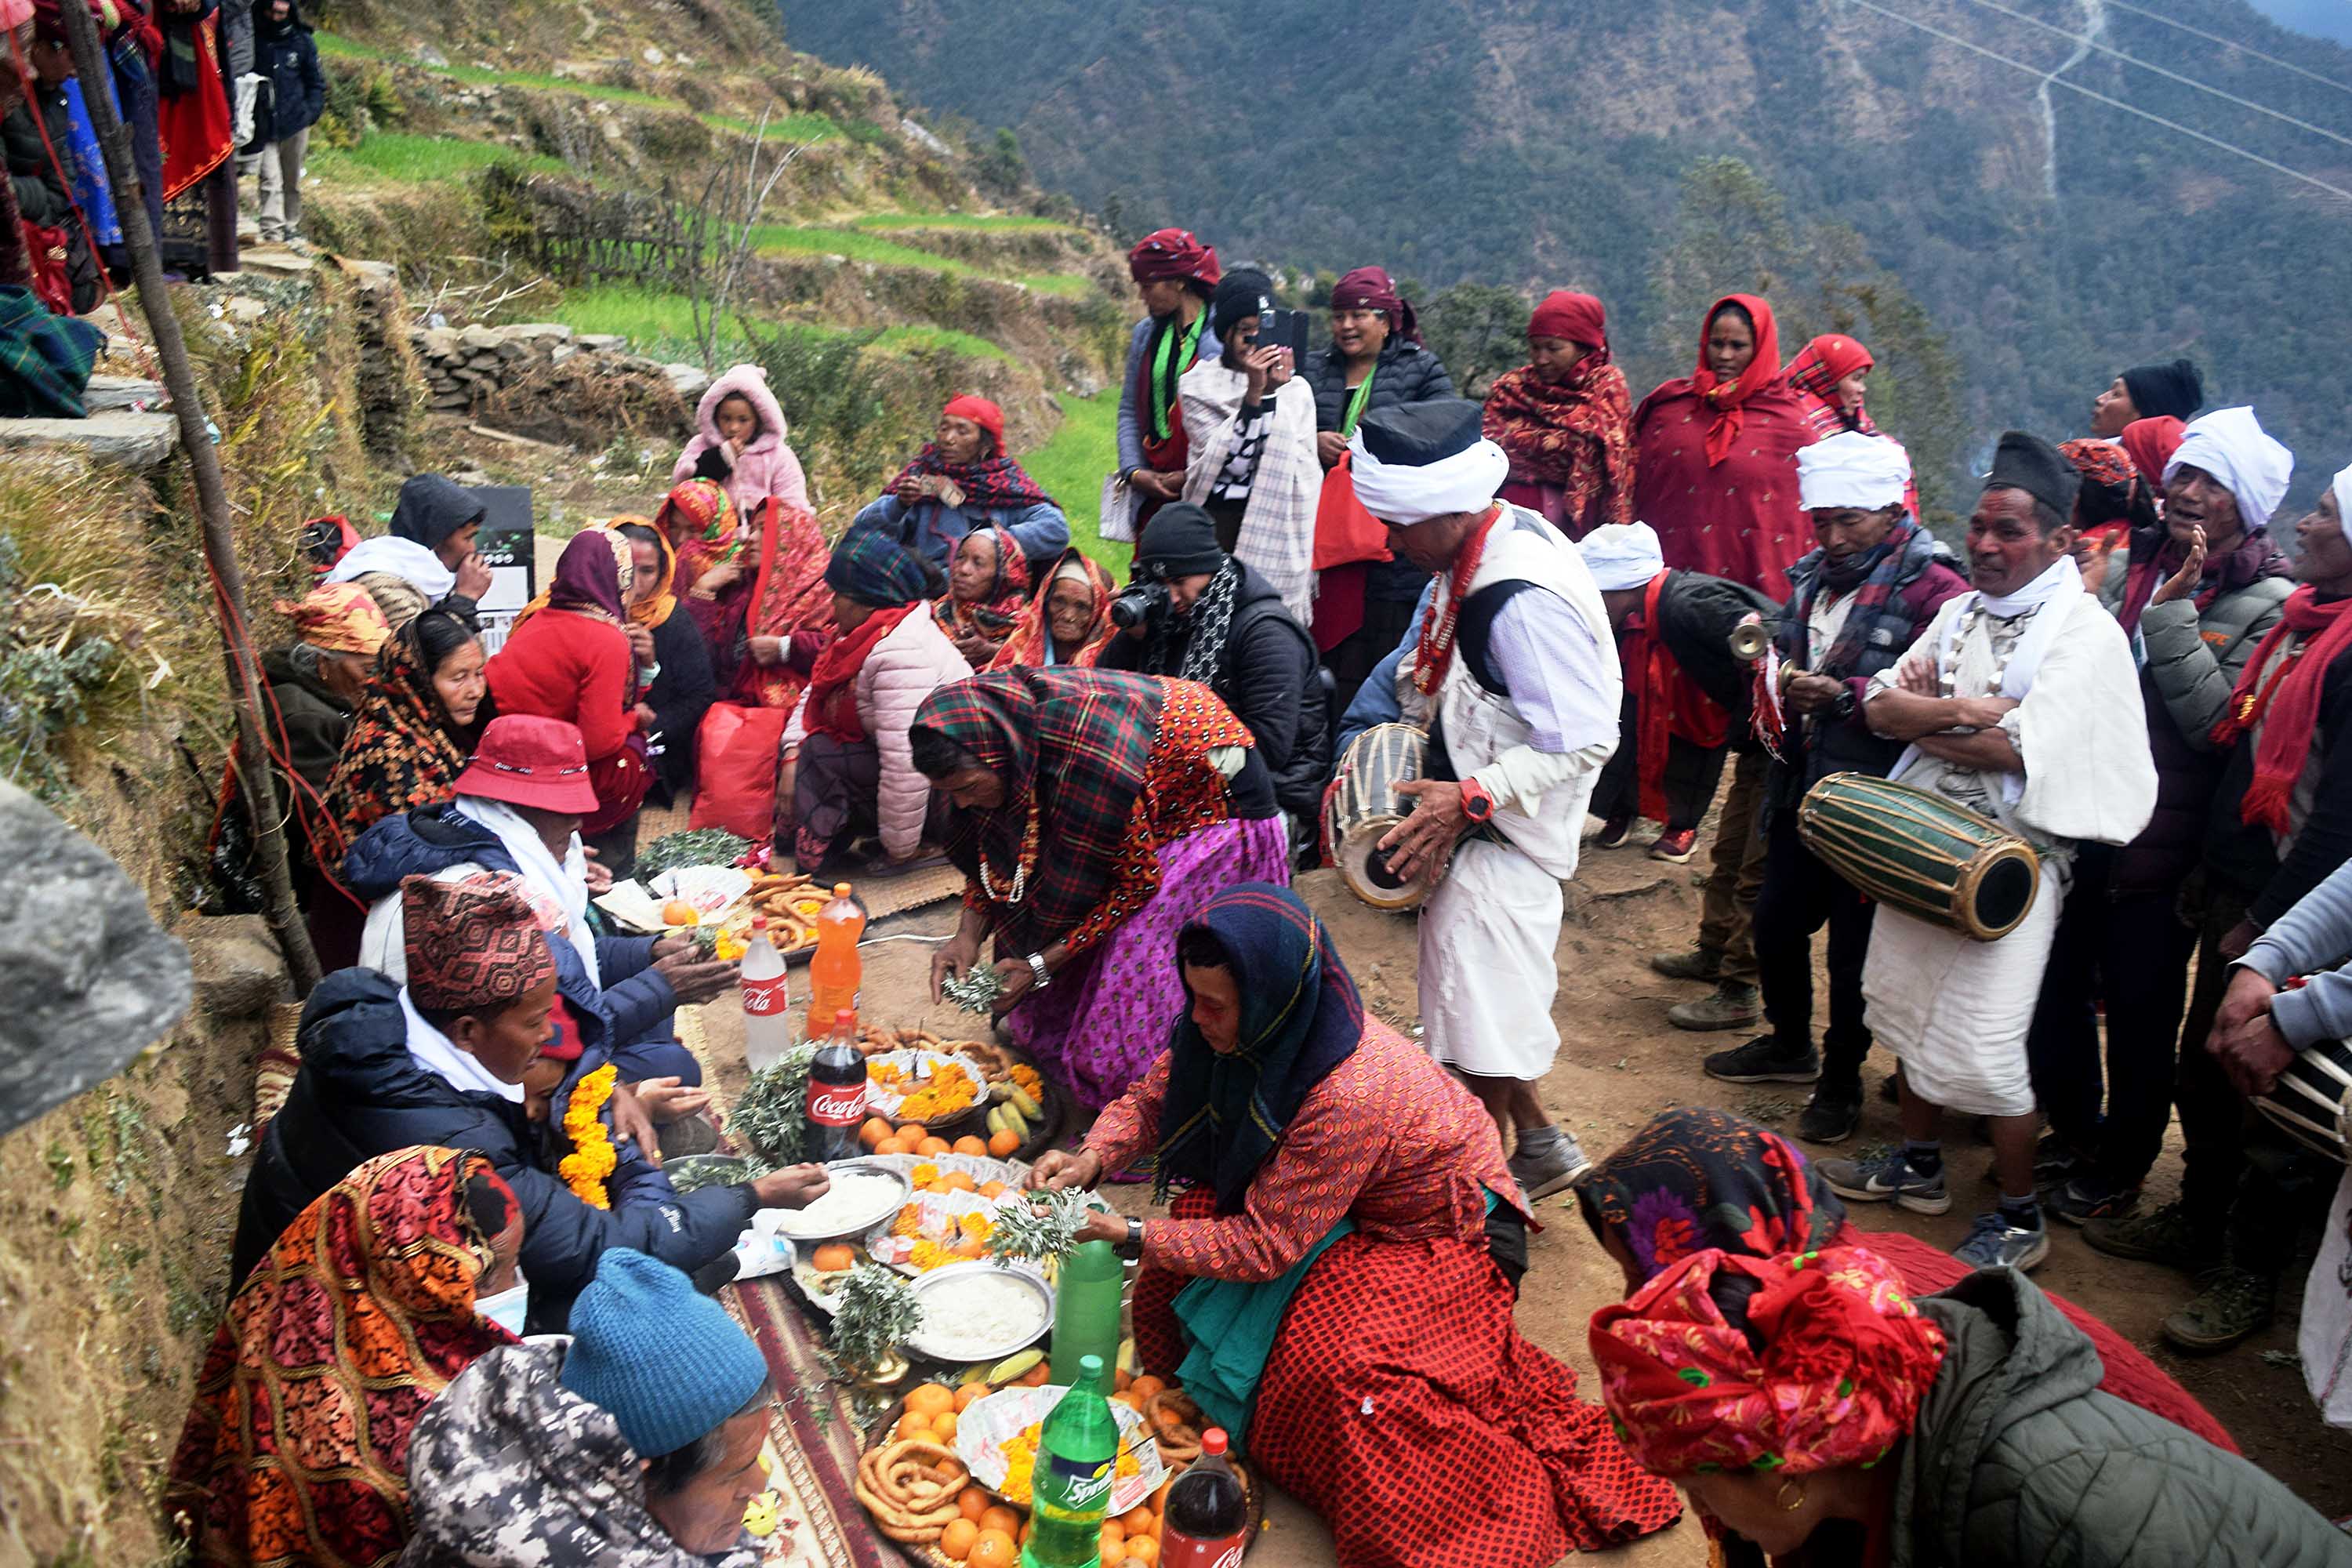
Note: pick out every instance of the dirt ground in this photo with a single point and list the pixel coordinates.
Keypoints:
(1620, 1063)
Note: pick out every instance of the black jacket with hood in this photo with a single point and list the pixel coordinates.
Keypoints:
(294, 91)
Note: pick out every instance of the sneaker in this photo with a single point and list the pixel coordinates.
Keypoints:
(1541, 1174)
(2165, 1235)
(2232, 1306)
(1831, 1116)
(1994, 1243)
(2057, 1161)
(1765, 1059)
(1675, 845)
(1889, 1178)
(1697, 963)
(1734, 1005)
(1614, 832)
(2087, 1199)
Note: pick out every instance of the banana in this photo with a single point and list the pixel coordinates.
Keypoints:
(1024, 1104)
(996, 1119)
(1013, 1367)
(1126, 1356)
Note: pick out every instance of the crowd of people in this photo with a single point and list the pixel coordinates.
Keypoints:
(1593, 610)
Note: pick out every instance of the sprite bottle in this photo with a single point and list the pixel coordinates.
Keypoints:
(1078, 1465)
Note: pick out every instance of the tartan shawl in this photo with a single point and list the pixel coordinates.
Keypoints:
(47, 358)
(1073, 748)
(1277, 533)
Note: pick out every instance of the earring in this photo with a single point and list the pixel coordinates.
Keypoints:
(1787, 1504)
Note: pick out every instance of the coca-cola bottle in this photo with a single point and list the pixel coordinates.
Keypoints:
(1207, 1521)
(767, 1001)
(837, 1094)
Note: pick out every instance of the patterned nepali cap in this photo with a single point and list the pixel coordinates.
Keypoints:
(471, 948)
(1845, 1359)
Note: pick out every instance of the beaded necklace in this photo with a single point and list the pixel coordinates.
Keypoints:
(1027, 853)
(1947, 666)
(1435, 651)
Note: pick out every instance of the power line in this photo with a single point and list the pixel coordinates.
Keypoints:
(2231, 44)
(2040, 75)
(2087, 42)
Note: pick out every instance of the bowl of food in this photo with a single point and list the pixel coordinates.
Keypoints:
(979, 1312)
(998, 1440)
(861, 1196)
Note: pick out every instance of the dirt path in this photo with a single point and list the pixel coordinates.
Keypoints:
(1621, 1063)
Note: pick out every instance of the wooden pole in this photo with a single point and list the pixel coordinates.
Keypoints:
(260, 785)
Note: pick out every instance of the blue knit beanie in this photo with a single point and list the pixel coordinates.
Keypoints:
(667, 1361)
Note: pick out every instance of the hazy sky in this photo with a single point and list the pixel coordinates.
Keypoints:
(2328, 19)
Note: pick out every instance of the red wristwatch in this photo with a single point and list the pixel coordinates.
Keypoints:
(1476, 804)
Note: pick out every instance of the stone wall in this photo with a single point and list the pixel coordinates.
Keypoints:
(466, 367)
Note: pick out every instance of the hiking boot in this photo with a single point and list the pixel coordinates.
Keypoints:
(2233, 1305)
(1544, 1172)
(2090, 1197)
(1994, 1243)
(1675, 845)
(1733, 1005)
(1765, 1059)
(1698, 963)
(1614, 832)
(1891, 1177)
(2165, 1235)
(1831, 1116)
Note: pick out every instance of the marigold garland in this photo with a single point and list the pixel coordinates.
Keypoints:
(591, 1158)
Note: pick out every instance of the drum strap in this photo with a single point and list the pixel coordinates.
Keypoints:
(1475, 631)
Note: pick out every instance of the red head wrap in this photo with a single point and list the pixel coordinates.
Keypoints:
(1829, 359)
(1846, 1359)
(1724, 397)
(1578, 318)
(980, 412)
(2150, 444)
(1371, 288)
(1173, 253)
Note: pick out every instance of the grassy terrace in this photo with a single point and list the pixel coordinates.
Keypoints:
(662, 325)
(859, 245)
(417, 160)
(1070, 469)
(991, 223)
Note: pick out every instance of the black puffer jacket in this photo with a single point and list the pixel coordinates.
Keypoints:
(1267, 675)
(295, 92)
(1407, 372)
(2017, 1457)
(360, 1094)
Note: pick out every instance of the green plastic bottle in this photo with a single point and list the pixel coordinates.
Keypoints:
(1087, 1313)
(1077, 1468)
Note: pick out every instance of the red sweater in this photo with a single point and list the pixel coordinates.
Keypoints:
(562, 665)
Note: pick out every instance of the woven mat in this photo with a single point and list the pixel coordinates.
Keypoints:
(888, 896)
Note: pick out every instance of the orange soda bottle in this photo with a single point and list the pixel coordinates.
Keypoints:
(835, 969)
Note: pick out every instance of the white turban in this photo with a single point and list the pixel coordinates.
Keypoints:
(403, 558)
(1852, 469)
(2229, 445)
(1404, 494)
(2343, 489)
(1622, 555)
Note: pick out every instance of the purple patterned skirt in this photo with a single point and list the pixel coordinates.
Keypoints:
(1104, 1018)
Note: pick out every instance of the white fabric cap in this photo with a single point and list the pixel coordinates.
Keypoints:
(2229, 445)
(1073, 572)
(1403, 494)
(1852, 469)
(403, 558)
(1622, 555)
(2343, 488)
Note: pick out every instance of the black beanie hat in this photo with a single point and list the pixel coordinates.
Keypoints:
(1240, 293)
(1178, 541)
(2027, 462)
(2157, 390)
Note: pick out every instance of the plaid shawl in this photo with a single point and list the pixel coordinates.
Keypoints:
(1906, 552)
(1277, 534)
(1002, 604)
(44, 360)
(992, 482)
(1073, 748)
(1577, 435)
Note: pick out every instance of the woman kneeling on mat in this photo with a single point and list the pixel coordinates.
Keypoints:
(1336, 1289)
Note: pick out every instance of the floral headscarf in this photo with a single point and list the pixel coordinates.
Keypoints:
(700, 521)
(402, 751)
(1034, 629)
(1000, 606)
(1694, 1179)
(1844, 1360)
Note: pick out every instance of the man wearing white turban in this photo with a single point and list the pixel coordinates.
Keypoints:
(1515, 679)
(1856, 603)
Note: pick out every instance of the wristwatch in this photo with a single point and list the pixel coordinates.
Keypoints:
(1476, 804)
(1843, 710)
(1037, 971)
(1133, 1245)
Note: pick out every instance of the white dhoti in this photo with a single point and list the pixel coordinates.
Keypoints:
(1490, 940)
(1956, 1011)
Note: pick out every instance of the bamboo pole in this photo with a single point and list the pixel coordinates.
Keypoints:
(260, 785)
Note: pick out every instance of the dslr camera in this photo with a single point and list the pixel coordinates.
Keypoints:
(1142, 604)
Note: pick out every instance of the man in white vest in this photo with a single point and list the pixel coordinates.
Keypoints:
(1515, 677)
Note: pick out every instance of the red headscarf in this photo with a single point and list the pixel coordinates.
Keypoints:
(1814, 375)
(1846, 1359)
(980, 412)
(1371, 289)
(1173, 253)
(2151, 443)
(1577, 317)
(1726, 398)
(2282, 696)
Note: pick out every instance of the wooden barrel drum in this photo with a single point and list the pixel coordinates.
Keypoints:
(1921, 854)
(2312, 1101)
(1362, 806)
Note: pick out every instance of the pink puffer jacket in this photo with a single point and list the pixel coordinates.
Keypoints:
(766, 467)
(914, 661)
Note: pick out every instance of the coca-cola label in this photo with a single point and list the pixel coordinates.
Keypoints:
(767, 998)
(836, 1105)
(1182, 1552)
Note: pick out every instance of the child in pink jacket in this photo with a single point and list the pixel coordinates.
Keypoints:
(742, 445)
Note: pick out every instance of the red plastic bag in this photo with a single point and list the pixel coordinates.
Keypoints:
(1344, 531)
(735, 770)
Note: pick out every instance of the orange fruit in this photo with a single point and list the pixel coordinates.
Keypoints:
(1001, 1520)
(1158, 1503)
(1121, 1379)
(955, 1541)
(928, 1399)
(968, 1144)
(944, 1423)
(832, 1256)
(1039, 1375)
(1128, 1399)
(972, 1502)
(1005, 1144)
(1028, 1528)
(917, 1427)
(872, 1133)
(970, 1395)
(971, 1248)
(994, 1549)
(934, 1146)
(958, 1181)
(1147, 1385)
(992, 1189)
(1114, 1547)
(1135, 1520)
(1142, 1550)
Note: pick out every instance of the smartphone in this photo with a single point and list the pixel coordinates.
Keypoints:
(1284, 329)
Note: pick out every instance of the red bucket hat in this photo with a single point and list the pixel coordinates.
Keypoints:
(524, 760)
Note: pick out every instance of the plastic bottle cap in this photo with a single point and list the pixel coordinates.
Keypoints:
(1213, 1442)
(759, 922)
(841, 890)
(1090, 1367)
(844, 1016)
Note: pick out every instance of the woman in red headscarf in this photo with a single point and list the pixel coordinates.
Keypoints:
(1566, 419)
(964, 482)
(1716, 454)
(1176, 275)
(757, 594)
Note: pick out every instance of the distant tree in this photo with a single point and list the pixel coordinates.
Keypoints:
(1731, 235)
(1001, 168)
(1916, 385)
(1476, 331)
